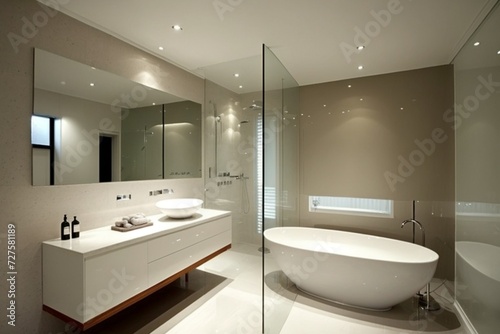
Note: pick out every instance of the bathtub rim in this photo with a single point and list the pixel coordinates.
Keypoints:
(396, 241)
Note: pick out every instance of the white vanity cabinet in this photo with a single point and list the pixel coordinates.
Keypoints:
(88, 279)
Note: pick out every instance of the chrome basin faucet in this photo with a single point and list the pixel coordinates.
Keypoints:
(415, 222)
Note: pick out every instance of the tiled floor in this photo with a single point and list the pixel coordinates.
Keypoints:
(224, 297)
(234, 306)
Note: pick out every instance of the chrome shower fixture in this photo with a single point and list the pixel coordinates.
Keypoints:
(256, 105)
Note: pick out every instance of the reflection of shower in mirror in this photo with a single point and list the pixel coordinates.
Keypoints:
(146, 133)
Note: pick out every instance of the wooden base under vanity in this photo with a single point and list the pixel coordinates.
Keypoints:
(89, 279)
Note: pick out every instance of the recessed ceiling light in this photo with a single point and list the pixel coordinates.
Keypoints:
(360, 47)
(324, 105)
(160, 48)
(177, 27)
(349, 86)
(236, 75)
(240, 86)
(476, 43)
(92, 84)
(498, 52)
(360, 67)
(92, 67)
(402, 108)
(63, 82)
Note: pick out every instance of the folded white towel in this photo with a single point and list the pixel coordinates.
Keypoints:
(132, 220)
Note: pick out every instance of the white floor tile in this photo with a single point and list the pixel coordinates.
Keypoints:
(236, 308)
(230, 311)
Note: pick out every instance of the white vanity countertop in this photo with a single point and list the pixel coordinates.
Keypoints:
(104, 239)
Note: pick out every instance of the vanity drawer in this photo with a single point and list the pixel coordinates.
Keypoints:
(169, 265)
(171, 243)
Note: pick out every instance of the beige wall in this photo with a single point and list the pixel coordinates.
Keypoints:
(384, 137)
(37, 211)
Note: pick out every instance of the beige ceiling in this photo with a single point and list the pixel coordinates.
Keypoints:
(314, 39)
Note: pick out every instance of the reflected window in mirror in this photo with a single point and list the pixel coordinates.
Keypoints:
(43, 142)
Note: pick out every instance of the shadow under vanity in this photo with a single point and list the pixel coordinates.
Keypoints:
(91, 278)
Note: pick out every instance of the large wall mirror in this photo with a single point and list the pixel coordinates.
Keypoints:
(92, 126)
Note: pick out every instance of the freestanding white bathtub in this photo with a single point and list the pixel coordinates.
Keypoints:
(349, 268)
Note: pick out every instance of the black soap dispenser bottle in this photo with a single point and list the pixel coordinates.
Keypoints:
(65, 229)
(75, 228)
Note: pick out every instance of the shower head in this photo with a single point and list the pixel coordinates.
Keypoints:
(256, 105)
(243, 122)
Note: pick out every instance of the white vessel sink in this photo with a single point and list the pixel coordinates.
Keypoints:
(179, 207)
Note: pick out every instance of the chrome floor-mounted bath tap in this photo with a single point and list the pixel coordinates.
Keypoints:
(415, 222)
(424, 300)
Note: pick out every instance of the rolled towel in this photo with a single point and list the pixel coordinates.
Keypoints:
(138, 220)
(121, 223)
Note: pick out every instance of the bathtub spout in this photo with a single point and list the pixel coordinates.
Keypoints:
(415, 222)
(425, 300)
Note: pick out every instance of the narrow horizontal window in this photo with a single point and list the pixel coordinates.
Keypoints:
(475, 209)
(352, 206)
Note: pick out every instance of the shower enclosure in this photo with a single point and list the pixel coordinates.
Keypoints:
(161, 141)
(251, 164)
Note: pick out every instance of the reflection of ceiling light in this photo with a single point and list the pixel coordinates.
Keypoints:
(360, 67)
(476, 44)
(177, 124)
(63, 83)
(236, 75)
(92, 67)
(360, 47)
(160, 48)
(177, 27)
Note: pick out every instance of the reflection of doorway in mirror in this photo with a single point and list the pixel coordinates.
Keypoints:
(105, 158)
(109, 161)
